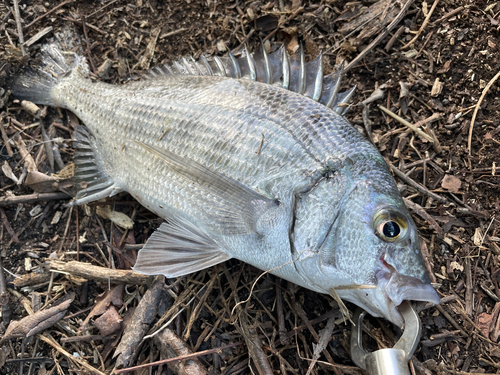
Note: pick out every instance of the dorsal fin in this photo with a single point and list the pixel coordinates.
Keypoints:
(277, 68)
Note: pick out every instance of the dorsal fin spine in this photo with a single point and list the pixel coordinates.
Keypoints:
(251, 64)
(203, 59)
(269, 74)
(302, 71)
(335, 89)
(318, 83)
(285, 69)
(236, 65)
(220, 65)
(277, 68)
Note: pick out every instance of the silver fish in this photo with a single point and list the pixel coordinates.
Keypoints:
(245, 158)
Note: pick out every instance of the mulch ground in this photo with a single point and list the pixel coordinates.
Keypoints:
(71, 304)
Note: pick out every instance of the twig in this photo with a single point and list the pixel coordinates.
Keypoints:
(17, 16)
(478, 105)
(451, 320)
(450, 14)
(242, 44)
(91, 272)
(7, 226)
(424, 25)
(419, 210)
(292, 16)
(180, 358)
(89, 53)
(381, 36)
(172, 33)
(32, 198)
(6, 139)
(172, 345)
(416, 185)
(469, 288)
(49, 12)
(4, 294)
(49, 340)
(406, 123)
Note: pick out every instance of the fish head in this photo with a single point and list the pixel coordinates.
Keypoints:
(371, 253)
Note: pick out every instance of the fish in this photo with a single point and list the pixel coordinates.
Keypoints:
(245, 157)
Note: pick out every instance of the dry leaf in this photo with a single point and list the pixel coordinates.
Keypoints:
(7, 171)
(40, 182)
(39, 321)
(108, 322)
(119, 218)
(484, 322)
(451, 183)
(456, 266)
(437, 87)
(108, 298)
(478, 237)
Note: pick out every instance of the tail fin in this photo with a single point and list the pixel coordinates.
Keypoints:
(55, 61)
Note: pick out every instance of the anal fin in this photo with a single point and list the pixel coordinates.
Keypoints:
(177, 249)
(90, 179)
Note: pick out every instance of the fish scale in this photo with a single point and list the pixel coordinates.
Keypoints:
(242, 165)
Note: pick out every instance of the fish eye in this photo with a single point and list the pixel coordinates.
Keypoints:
(391, 229)
(390, 225)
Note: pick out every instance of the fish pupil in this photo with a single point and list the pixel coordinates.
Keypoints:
(391, 229)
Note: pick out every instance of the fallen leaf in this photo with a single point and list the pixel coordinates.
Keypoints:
(119, 218)
(451, 183)
(108, 322)
(40, 182)
(484, 322)
(110, 297)
(478, 237)
(437, 87)
(39, 321)
(456, 266)
(7, 171)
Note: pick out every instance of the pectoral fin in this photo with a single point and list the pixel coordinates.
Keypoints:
(176, 249)
(230, 207)
(91, 181)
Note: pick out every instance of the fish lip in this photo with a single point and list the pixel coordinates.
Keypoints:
(397, 288)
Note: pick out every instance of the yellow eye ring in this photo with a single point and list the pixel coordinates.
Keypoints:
(390, 225)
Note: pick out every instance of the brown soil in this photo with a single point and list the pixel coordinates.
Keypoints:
(461, 230)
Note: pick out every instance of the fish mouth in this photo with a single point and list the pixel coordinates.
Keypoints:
(397, 288)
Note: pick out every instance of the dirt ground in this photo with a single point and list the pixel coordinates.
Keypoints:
(439, 60)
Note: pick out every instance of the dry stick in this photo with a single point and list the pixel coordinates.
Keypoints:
(382, 36)
(485, 91)
(49, 340)
(32, 198)
(4, 294)
(420, 211)
(172, 33)
(6, 139)
(17, 16)
(49, 12)
(292, 16)
(88, 44)
(180, 358)
(89, 271)
(407, 124)
(450, 319)
(242, 44)
(450, 14)
(424, 25)
(469, 288)
(395, 37)
(7, 226)
(416, 185)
